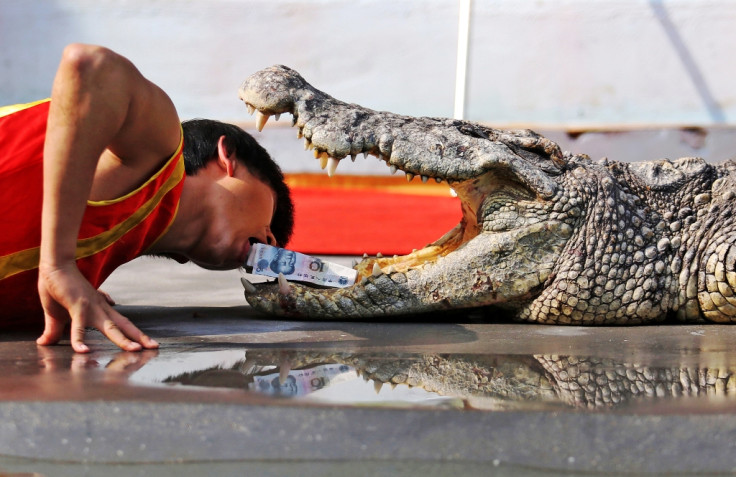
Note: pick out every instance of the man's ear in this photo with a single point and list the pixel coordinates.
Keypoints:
(225, 158)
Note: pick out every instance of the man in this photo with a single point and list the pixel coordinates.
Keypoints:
(114, 188)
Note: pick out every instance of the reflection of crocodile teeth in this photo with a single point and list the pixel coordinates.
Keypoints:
(261, 120)
(376, 270)
(284, 287)
(284, 370)
(332, 166)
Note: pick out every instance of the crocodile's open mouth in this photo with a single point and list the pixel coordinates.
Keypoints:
(330, 157)
(502, 180)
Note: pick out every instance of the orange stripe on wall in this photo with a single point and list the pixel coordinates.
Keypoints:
(352, 215)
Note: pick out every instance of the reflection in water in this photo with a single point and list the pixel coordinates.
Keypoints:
(303, 381)
(480, 381)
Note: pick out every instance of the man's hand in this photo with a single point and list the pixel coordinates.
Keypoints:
(108, 131)
(67, 296)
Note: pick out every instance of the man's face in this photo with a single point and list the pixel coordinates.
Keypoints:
(241, 211)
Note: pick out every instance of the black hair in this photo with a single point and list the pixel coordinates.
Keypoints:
(200, 147)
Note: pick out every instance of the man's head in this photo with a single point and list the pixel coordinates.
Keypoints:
(201, 138)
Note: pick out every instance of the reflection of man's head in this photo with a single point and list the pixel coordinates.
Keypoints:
(284, 262)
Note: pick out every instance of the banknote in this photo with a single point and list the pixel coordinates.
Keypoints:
(270, 261)
(303, 381)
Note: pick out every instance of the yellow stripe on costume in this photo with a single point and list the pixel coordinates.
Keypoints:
(28, 259)
(98, 203)
(14, 108)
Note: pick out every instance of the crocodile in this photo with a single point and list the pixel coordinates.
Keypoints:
(492, 382)
(545, 236)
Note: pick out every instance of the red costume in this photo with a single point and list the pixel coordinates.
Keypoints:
(112, 233)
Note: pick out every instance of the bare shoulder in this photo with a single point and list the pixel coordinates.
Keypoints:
(149, 132)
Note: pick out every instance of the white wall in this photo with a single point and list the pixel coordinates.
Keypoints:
(536, 62)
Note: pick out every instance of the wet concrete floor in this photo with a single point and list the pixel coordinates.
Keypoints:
(231, 391)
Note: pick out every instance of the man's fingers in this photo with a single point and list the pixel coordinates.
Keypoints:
(77, 337)
(107, 297)
(52, 331)
(131, 331)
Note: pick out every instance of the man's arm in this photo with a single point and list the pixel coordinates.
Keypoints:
(108, 129)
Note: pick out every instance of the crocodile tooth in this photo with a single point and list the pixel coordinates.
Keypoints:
(424, 179)
(250, 108)
(390, 270)
(323, 159)
(376, 270)
(452, 192)
(365, 154)
(277, 116)
(284, 287)
(249, 287)
(317, 153)
(393, 169)
(284, 370)
(409, 176)
(308, 144)
(355, 263)
(332, 166)
(299, 134)
(379, 255)
(438, 180)
(365, 255)
(352, 157)
(261, 120)
(377, 385)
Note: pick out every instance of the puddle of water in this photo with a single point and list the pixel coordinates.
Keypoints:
(453, 381)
